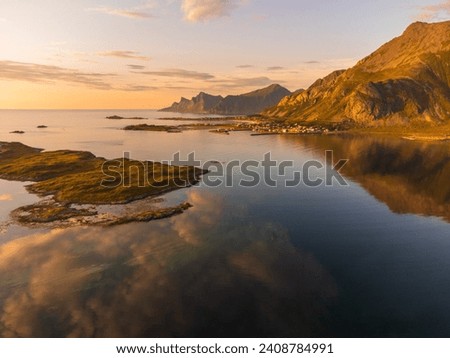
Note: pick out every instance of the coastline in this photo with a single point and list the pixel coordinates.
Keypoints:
(269, 126)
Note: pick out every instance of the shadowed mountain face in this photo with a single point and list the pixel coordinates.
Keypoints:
(248, 103)
(203, 103)
(405, 80)
(409, 177)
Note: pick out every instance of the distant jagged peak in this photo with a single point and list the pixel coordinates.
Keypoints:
(204, 94)
(273, 88)
(248, 103)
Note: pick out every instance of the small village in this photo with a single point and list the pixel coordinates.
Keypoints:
(265, 128)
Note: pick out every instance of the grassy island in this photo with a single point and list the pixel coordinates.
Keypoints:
(74, 178)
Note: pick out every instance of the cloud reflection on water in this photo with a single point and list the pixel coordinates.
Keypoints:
(197, 274)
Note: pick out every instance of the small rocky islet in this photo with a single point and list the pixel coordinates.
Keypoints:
(120, 117)
(74, 184)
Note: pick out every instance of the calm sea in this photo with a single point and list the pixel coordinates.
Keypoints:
(369, 259)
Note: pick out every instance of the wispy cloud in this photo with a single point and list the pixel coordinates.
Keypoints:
(436, 12)
(124, 54)
(312, 62)
(137, 88)
(122, 12)
(243, 82)
(275, 68)
(180, 73)
(136, 67)
(245, 66)
(32, 72)
(204, 10)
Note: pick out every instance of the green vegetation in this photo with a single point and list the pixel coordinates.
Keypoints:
(82, 178)
(76, 177)
(150, 215)
(47, 212)
(50, 212)
(130, 180)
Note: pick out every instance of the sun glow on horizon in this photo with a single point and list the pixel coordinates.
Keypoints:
(148, 54)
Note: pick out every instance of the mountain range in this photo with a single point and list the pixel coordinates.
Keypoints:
(244, 104)
(407, 80)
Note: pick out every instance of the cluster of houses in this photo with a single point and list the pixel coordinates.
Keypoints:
(279, 127)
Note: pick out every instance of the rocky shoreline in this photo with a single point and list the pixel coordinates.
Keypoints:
(261, 125)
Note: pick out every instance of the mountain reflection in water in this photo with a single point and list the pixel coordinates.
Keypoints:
(262, 261)
(409, 177)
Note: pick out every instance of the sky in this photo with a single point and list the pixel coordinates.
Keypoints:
(65, 54)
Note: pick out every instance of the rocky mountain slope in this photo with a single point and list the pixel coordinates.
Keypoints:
(407, 80)
(248, 103)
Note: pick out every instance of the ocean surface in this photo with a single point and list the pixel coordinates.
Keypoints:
(366, 259)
